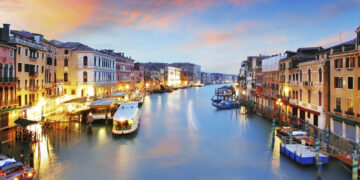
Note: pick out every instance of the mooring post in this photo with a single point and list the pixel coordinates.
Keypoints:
(355, 166)
(273, 132)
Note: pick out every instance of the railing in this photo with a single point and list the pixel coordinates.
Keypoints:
(337, 110)
(33, 74)
(33, 88)
(295, 83)
(308, 83)
(349, 112)
(33, 57)
(7, 79)
(26, 42)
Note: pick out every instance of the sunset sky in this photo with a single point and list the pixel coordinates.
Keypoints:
(217, 34)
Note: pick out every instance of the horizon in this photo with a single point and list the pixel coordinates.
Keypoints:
(208, 33)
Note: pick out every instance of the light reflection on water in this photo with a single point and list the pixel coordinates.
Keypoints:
(181, 136)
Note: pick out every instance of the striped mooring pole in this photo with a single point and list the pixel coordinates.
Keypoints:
(317, 149)
(273, 132)
(355, 166)
(291, 134)
(327, 137)
(307, 128)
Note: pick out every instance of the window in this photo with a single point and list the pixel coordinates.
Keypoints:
(85, 61)
(338, 63)
(320, 98)
(350, 83)
(19, 67)
(309, 96)
(19, 50)
(66, 63)
(358, 83)
(95, 76)
(55, 62)
(66, 52)
(94, 60)
(308, 114)
(300, 75)
(11, 53)
(65, 77)
(358, 61)
(320, 75)
(42, 69)
(350, 105)
(11, 69)
(338, 82)
(26, 52)
(73, 91)
(300, 94)
(350, 62)
(85, 76)
(309, 75)
(338, 104)
(42, 55)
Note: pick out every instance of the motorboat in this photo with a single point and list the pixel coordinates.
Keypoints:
(229, 104)
(126, 118)
(12, 169)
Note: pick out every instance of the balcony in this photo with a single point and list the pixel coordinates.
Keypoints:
(33, 74)
(33, 58)
(33, 88)
(8, 103)
(349, 112)
(294, 101)
(308, 83)
(337, 110)
(7, 79)
(26, 42)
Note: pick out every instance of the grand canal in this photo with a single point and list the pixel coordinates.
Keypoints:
(181, 136)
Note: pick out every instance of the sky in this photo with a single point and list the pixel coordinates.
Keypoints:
(216, 34)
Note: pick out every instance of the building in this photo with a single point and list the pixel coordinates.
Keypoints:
(191, 73)
(8, 100)
(139, 76)
(124, 71)
(344, 89)
(290, 76)
(154, 74)
(172, 76)
(270, 69)
(86, 71)
(253, 63)
(312, 103)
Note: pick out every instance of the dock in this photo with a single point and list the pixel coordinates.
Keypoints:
(302, 154)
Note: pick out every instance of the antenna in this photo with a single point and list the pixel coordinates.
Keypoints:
(340, 37)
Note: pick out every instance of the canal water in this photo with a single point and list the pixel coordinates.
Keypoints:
(181, 136)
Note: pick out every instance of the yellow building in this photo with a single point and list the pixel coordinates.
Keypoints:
(314, 92)
(344, 89)
(85, 71)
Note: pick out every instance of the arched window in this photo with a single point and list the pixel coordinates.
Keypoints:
(309, 75)
(85, 77)
(300, 75)
(6, 73)
(11, 73)
(85, 61)
(1, 70)
(65, 77)
(320, 75)
(66, 62)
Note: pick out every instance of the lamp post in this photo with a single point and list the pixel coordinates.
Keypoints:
(279, 103)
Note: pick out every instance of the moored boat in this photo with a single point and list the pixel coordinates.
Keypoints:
(346, 160)
(12, 169)
(126, 118)
(227, 104)
(302, 154)
(139, 98)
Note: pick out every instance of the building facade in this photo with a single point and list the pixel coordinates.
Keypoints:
(172, 76)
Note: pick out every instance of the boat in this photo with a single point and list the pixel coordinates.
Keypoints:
(302, 154)
(126, 118)
(229, 104)
(12, 169)
(169, 89)
(346, 160)
(139, 98)
(215, 99)
(284, 131)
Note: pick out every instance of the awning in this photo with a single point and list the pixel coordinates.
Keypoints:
(7, 110)
(24, 122)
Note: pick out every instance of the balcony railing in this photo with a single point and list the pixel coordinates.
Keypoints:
(33, 88)
(308, 83)
(8, 103)
(337, 110)
(33, 57)
(7, 79)
(350, 112)
(26, 42)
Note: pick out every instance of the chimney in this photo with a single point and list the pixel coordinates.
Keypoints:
(5, 32)
(357, 38)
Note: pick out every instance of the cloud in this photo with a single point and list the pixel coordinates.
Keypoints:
(276, 40)
(334, 9)
(335, 39)
(51, 18)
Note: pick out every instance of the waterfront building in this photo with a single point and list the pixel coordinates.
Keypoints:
(172, 76)
(30, 60)
(270, 69)
(312, 102)
(86, 71)
(124, 71)
(191, 73)
(242, 81)
(154, 74)
(290, 75)
(345, 89)
(253, 63)
(8, 100)
(139, 76)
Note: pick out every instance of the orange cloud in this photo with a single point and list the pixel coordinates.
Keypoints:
(277, 40)
(50, 18)
(335, 39)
